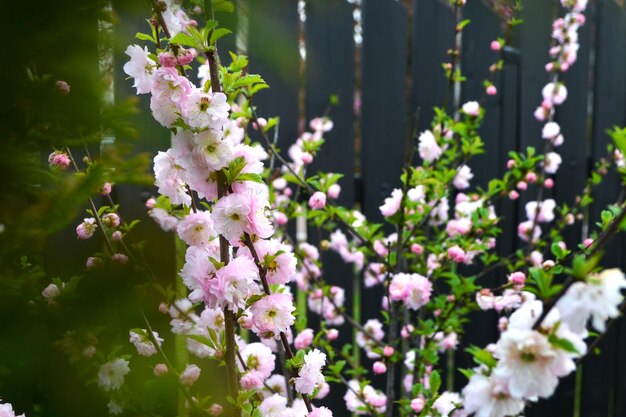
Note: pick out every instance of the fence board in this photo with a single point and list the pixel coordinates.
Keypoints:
(609, 109)
(433, 36)
(273, 53)
(330, 70)
(383, 117)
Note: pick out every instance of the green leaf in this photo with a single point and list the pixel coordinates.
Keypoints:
(482, 356)
(563, 344)
(144, 37)
(435, 381)
(223, 6)
(217, 34)
(250, 177)
(186, 40)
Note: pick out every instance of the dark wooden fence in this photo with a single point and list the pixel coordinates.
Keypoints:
(397, 70)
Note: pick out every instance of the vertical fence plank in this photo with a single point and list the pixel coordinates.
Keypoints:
(273, 52)
(609, 109)
(383, 117)
(433, 36)
(330, 70)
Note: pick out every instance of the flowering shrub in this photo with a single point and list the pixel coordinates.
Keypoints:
(232, 213)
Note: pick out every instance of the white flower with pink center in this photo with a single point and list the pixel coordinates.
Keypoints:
(392, 204)
(171, 178)
(545, 212)
(235, 282)
(230, 217)
(489, 397)
(258, 358)
(463, 177)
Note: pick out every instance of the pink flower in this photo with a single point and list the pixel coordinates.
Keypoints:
(87, 228)
(304, 339)
(310, 375)
(332, 334)
(140, 68)
(491, 90)
(495, 46)
(379, 367)
(166, 59)
(62, 87)
(205, 110)
(230, 217)
(317, 200)
(555, 93)
(119, 258)
(412, 289)
(196, 228)
(277, 258)
(190, 375)
(550, 130)
(417, 404)
(171, 178)
(471, 108)
(463, 177)
(59, 159)
(106, 190)
(552, 162)
(428, 148)
(211, 151)
(524, 231)
(259, 359)
(517, 278)
(417, 249)
(334, 191)
(513, 195)
(392, 204)
(544, 213)
(321, 412)
(160, 369)
(215, 410)
(388, 351)
(272, 314)
(456, 254)
(251, 381)
(548, 183)
(234, 284)
(111, 220)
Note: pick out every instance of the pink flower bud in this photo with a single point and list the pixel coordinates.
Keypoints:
(456, 254)
(160, 369)
(417, 404)
(116, 236)
(306, 158)
(150, 203)
(379, 368)
(62, 87)
(406, 331)
(86, 229)
(417, 249)
(59, 159)
(280, 218)
(388, 351)
(119, 258)
(304, 339)
(111, 220)
(317, 200)
(332, 334)
(288, 192)
(492, 90)
(437, 313)
(548, 183)
(93, 262)
(495, 46)
(166, 59)
(334, 191)
(517, 278)
(503, 323)
(215, 410)
(163, 308)
(106, 188)
(451, 298)
(549, 67)
(522, 186)
(185, 57)
(549, 264)
(587, 242)
(569, 219)
(510, 164)
(259, 122)
(513, 195)
(531, 178)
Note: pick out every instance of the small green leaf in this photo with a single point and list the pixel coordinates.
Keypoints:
(217, 34)
(435, 381)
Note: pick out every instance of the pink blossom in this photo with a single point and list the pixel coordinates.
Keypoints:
(310, 375)
(196, 228)
(87, 228)
(166, 59)
(234, 284)
(211, 151)
(513, 195)
(230, 217)
(334, 191)
(106, 189)
(379, 368)
(272, 314)
(111, 220)
(190, 375)
(277, 258)
(317, 200)
(428, 148)
(456, 254)
(392, 204)
(524, 231)
(417, 249)
(119, 258)
(517, 278)
(491, 90)
(59, 159)
(555, 93)
(205, 110)
(388, 351)
(412, 289)
(531, 177)
(417, 404)
(544, 210)
(522, 186)
(304, 339)
(215, 410)
(171, 178)
(160, 369)
(495, 46)
(552, 162)
(321, 412)
(94, 262)
(463, 177)
(140, 68)
(332, 334)
(471, 108)
(258, 358)
(550, 130)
